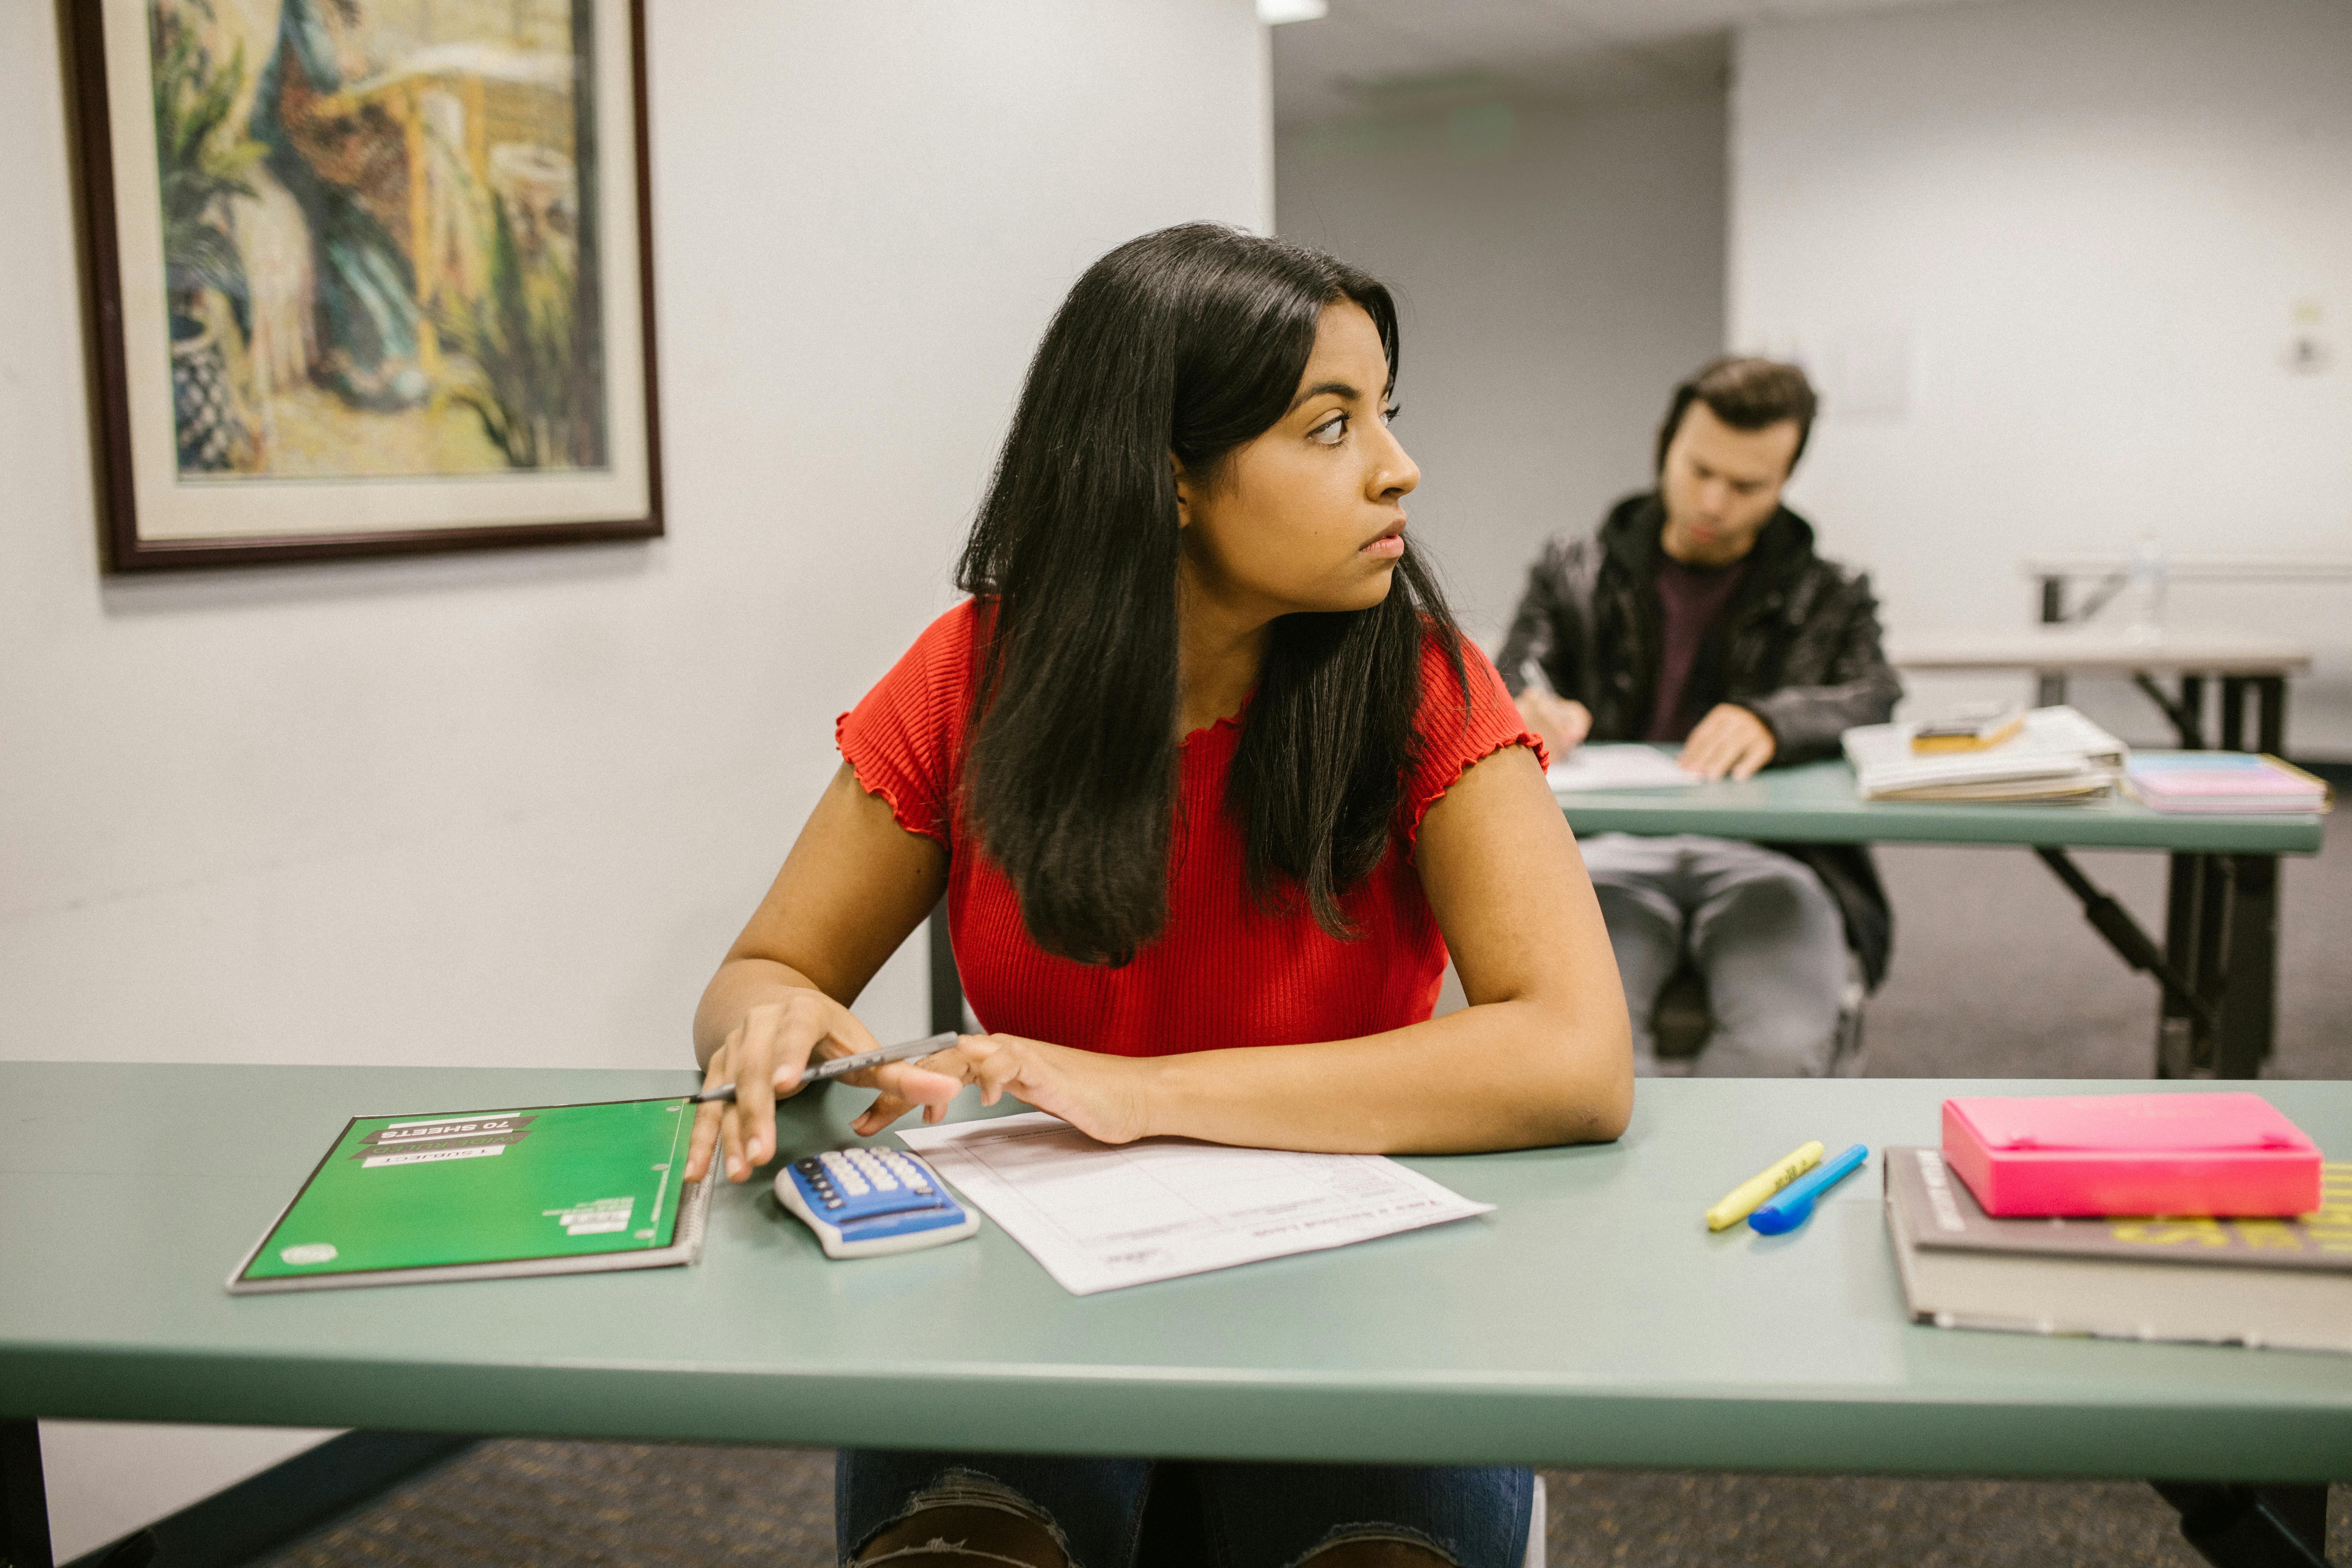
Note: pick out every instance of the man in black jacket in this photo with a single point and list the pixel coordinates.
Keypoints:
(1699, 613)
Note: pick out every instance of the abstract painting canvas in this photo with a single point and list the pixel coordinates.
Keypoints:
(370, 275)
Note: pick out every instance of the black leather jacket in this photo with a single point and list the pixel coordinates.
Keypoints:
(1798, 646)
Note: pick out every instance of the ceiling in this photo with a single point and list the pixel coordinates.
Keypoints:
(1370, 56)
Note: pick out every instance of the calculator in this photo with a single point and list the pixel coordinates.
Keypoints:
(861, 1202)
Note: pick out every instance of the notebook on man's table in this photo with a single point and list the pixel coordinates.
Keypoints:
(2225, 783)
(551, 1189)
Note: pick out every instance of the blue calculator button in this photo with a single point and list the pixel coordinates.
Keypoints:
(864, 1187)
(867, 1200)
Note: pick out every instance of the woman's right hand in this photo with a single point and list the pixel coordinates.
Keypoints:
(764, 1057)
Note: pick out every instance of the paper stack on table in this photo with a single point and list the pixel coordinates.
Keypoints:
(2058, 755)
(2225, 783)
(1617, 767)
(1098, 1217)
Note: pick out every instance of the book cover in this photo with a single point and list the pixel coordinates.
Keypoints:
(486, 1194)
(1948, 1215)
(2198, 1281)
(2226, 781)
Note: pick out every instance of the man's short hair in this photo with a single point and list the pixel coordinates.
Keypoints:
(1747, 394)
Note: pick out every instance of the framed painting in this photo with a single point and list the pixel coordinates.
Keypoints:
(368, 276)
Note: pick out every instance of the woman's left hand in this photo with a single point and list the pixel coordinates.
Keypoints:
(1104, 1097)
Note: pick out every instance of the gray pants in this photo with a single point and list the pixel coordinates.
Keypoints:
(1757, 926)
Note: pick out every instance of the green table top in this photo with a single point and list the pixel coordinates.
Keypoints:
(1815, 803)
(1591, 1320)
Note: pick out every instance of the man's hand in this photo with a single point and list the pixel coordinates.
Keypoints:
(1562, 723)
(1729, 740)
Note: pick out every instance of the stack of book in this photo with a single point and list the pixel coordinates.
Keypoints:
(2003, 1228)
(2225, 783)
(2280, 1282)
(2053, 754)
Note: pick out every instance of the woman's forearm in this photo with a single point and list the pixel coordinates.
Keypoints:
(1505, 1075)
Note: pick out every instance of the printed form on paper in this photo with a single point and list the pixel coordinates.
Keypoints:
(1100, 1217)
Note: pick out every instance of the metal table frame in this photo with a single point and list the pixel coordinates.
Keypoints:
(2220, 912)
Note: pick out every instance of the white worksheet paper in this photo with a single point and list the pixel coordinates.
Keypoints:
(1100, 1217)
(1617, 767)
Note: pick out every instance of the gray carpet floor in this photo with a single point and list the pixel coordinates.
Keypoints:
(519, 1504)
(1995, 975)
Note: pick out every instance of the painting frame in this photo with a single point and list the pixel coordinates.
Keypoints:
(415, 514)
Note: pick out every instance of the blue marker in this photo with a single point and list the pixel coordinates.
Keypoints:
(1793, 1205)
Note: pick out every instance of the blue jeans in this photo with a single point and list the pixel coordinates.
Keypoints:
(1256, 1516)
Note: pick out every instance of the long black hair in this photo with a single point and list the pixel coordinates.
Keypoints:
(1190, 340)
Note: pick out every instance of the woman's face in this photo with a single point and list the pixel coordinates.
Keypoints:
(1310, 514)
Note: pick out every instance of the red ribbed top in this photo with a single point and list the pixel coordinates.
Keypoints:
(1223, 972)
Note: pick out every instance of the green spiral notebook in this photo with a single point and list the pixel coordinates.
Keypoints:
(489, 1195)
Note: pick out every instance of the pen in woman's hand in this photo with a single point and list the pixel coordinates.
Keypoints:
(841, 1067)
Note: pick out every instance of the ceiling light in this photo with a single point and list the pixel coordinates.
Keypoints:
(1273, 12)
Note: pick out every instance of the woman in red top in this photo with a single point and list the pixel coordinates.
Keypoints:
(1212, 786)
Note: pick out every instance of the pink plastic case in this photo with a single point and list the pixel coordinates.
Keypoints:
(2224, 1154)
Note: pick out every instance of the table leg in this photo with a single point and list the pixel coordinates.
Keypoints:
(24, 1499)
(2271, 692)
(2132, 945)
(2181, 1042)
(2186, 715)
(2176, 1023)
(2050, 686)
(2250, 977)
(2206, 979)
(947, 985)
(2236, 1526)
(2192, 711)
(2233, 713)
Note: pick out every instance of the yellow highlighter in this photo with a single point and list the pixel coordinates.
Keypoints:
(1737, 1202)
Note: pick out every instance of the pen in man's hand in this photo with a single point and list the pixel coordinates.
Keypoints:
(839, 1067)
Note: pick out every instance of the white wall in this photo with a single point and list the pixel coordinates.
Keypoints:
(1557, 271)
(2088, 227)
(511, 809)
